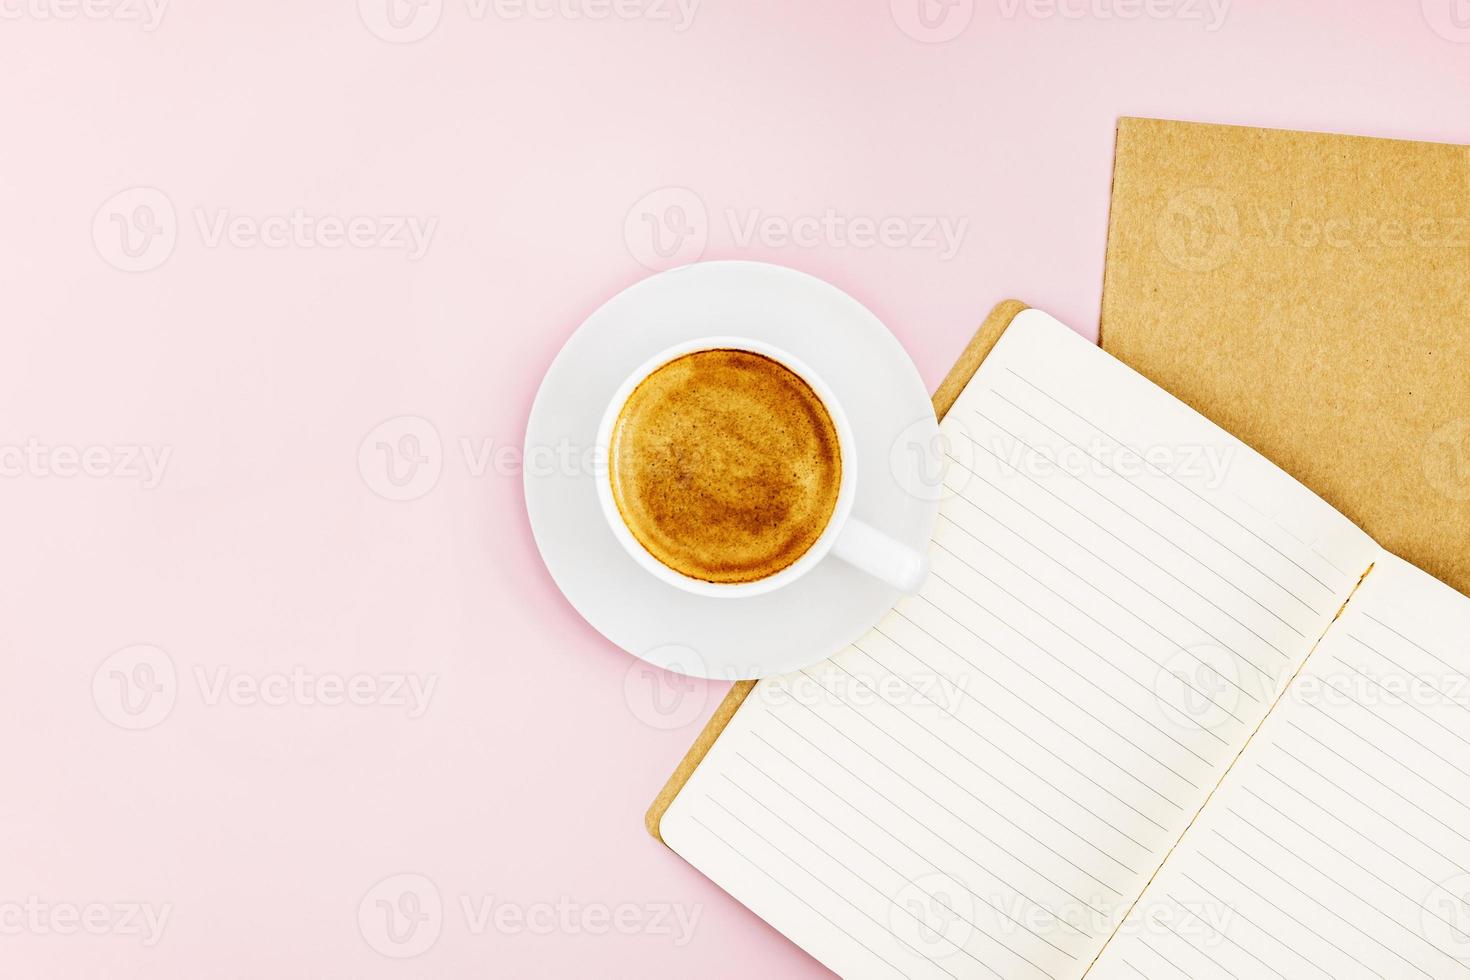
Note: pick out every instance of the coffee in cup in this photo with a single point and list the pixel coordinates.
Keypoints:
(731, 472)
(725, 465)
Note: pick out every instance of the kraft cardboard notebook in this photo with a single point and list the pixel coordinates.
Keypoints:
(1311, 294)
(1137, 723)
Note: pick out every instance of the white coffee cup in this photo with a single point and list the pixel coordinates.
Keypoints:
(860, 545)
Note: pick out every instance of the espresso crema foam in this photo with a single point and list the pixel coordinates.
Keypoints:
(725, 466)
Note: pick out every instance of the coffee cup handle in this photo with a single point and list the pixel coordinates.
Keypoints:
(870, 550)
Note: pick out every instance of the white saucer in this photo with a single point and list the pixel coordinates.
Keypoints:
(897, 442)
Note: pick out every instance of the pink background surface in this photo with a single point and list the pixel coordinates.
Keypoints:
(263, 823)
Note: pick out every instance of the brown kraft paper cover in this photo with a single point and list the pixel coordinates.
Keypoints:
(1310, 294)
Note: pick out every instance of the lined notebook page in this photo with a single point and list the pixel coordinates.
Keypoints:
(1339, 845)
(983, 784)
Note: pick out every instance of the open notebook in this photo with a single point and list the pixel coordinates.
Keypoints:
(1152, 715)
